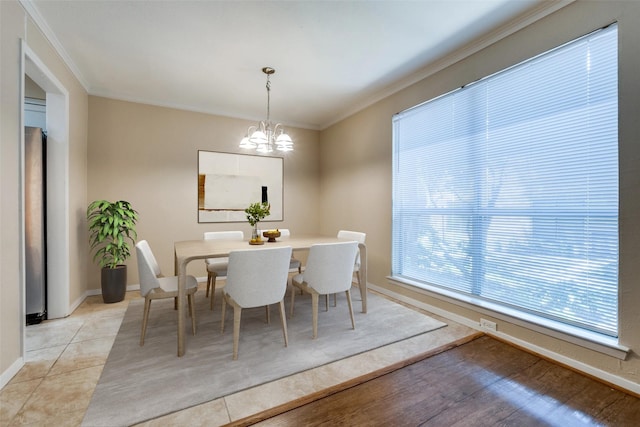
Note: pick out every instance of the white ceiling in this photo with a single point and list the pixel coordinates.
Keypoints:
(332, 58)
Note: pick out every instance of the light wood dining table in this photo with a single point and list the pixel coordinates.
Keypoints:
(190, 250)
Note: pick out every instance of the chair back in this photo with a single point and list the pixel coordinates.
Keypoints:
(148, 268)
(329, 267)
(284, 233)
(257, 277)
(353, 235)
(223, 235)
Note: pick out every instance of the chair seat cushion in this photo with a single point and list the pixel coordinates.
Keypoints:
(217, 265)
(298, 278)
(294, 263)
(170, 284)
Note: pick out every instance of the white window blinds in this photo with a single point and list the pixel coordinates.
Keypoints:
(507, 189)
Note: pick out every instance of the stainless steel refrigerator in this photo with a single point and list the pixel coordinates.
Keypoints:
(35, 225)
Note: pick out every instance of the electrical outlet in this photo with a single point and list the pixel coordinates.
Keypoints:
(487, 324)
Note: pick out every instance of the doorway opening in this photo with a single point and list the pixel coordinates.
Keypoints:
(57, 188)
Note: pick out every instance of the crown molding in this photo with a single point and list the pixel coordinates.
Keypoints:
(40, 22)
(542, 10)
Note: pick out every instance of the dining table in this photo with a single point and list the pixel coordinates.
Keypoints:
(190, 250)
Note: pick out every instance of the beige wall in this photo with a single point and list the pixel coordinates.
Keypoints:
(10, 339)
(149, 156)
(15, 25)
(356, 171)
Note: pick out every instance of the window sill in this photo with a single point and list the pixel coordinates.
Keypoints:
(591, 340)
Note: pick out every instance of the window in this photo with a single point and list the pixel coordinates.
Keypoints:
(507, 189)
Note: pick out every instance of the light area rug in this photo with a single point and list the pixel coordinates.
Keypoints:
(141, 383)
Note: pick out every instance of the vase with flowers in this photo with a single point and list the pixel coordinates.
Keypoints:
(256, 212)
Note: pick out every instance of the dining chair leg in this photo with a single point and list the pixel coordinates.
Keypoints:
(208, 284)
(293, 300)
(213, 289)
(192, 312)
(335, 300)
(268, 313)
(224, 308)
(237, 312)
(326, 302)
(283, 317)
(145, 319)
(314, 310)
(353, 321)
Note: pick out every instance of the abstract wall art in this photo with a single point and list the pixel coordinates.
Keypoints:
(228, 183)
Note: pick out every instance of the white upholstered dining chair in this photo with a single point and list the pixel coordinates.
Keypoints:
(358, 237)
(256, 278)
(329, 270)
(295, 266)
(217, 267)
(153, 285)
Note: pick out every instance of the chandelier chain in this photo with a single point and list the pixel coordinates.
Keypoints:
(268, 98)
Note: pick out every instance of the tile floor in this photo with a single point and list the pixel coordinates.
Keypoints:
(65, 358)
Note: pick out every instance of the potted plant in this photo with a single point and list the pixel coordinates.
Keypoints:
(256, 212)
(111, 226)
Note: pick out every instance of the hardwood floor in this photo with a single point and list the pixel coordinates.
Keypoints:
(482, 383)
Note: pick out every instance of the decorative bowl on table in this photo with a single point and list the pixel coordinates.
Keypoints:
(271, 235)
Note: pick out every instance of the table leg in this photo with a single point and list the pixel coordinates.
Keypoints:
(182, 281)
(363, 276)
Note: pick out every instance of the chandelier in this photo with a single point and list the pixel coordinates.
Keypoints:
(265, 136)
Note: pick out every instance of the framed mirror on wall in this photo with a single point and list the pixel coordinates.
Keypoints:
(228, 183)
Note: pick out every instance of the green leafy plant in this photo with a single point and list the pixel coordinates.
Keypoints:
(111, 227)
(256, 212)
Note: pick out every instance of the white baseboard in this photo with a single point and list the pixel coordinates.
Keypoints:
(6, 376)
(605, 376)
(76, 303)
(92, 292)
(430, 308)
